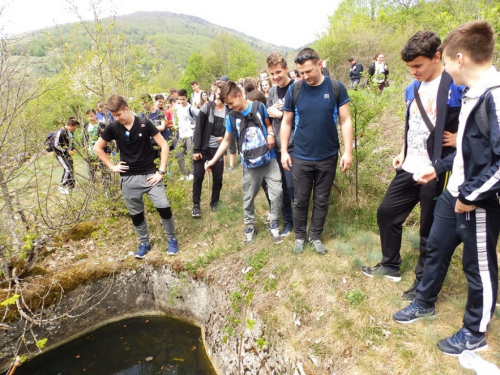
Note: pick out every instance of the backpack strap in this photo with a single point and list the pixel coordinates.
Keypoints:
(335, 91)
(421, 109)
(481, 115)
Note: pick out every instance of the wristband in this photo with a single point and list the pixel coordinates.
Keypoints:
(161, 172)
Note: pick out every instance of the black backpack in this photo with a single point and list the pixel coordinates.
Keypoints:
(49, 143)
(481, 115)
(252, 144)
(335, 90)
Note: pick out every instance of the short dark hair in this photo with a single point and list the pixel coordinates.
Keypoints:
(146, 98)
(159, 96)
(183, 92)
(476, 39)
(249, 84)
(257, 95)
(172, 90)
(194, 83)
(72, 121)
(228, 88)
(116, 102)
(306, 54)
(276, 58)
(351, 59)
(423, 43)
(88, 111)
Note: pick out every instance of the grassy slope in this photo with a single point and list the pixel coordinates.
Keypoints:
(320, 306)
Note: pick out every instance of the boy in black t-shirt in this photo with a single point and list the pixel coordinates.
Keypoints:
(138, 171)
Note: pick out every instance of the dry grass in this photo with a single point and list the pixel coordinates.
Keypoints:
(322, 308)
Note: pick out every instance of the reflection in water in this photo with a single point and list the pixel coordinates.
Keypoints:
(137, 346)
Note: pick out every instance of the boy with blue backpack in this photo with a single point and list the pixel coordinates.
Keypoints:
(255, 138)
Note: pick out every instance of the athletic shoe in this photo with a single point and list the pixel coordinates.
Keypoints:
(214, 206)
(190, 177)
(380, 270)
(230, 168)
(250, 233)
(173, 246)
(298, 248)
(287, 229)
(63, 190)
(411, 294)
(413, 312)
(196, 211)
(275, 232)
(144, 248)
(318, 247)
(463, 340)
(182, 178)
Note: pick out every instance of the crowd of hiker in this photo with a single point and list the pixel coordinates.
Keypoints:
(286, 126)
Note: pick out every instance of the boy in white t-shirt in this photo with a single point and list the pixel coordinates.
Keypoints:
(429, 135)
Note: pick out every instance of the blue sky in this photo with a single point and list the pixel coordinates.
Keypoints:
(278, 22)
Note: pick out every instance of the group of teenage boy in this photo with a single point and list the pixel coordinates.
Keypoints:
(449, 163)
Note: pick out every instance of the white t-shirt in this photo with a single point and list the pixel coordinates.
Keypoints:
(185, 122)
(196, 98)
(417, 156)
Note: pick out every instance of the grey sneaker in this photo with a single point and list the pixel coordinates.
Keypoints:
(275, 233)
(196, 211)
(318, 247)
(250, 233)
(298, 248)
(380, 270)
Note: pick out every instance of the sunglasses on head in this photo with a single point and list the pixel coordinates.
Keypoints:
(303, 58)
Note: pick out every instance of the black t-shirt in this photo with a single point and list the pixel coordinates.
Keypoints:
(282, 90)
(135, 149)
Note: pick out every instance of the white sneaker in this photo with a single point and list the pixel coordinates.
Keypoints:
(190, 177)
(182, 178)
(63, 190)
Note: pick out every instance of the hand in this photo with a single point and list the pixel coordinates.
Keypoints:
(449, 139)
(219, 140)
(208, 164)
(197, 156)
(154, 178)
(425, 175)
(120, 167)
(460, 208)
(270, 142)
(398, 160)
(286, 161)
(276, 110)
(345, 162)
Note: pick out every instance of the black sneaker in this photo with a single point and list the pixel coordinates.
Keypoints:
(414, 311)
(287, 229)
(380, 270)
(411, 294)
(214, 206)
(196, 211)
(463, 340)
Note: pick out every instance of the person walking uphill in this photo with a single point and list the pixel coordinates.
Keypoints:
(64, 147)
(249, 122)
(137, 170)
(314, 103)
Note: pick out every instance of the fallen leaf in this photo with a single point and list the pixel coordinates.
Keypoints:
(149, 359)
(78, 356)
(178, 359)
(193, 348)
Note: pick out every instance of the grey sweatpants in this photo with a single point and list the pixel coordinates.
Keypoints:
(133, 188)
(252, 182)
(183, 148)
